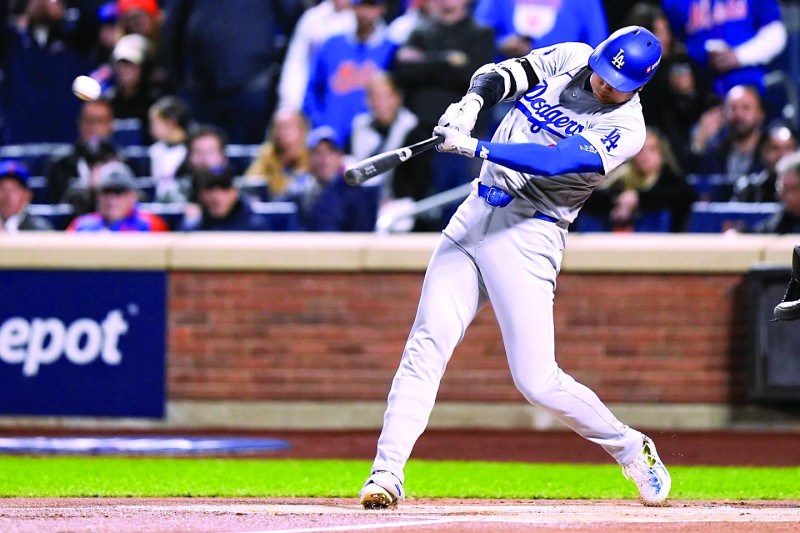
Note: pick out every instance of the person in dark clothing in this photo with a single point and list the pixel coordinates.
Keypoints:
(678, 93)
(95, 130)
(226, 60)
(45, 47)
(434, 69)
(780, 140)
(324, 200)
(787, 219)
(648, 183)
(223, 208)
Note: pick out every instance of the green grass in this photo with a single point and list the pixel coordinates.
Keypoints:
(124, 477)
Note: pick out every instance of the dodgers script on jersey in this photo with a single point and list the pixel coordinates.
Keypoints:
(561, 106)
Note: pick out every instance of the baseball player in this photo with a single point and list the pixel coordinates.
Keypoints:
(575, 118)
(789, 308)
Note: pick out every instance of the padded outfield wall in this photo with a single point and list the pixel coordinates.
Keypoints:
(306, 330)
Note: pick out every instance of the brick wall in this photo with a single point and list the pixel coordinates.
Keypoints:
(339, 336)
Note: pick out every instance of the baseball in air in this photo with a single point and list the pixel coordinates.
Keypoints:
(86, 88)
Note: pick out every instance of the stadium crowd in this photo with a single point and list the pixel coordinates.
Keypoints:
(242, 115)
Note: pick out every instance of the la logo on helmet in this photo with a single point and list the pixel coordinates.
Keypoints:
(619, 59)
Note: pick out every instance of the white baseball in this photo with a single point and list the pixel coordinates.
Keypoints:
(86, 88)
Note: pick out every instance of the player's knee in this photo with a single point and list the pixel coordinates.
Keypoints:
(536, 391)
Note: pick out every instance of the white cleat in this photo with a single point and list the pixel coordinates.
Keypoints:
(649, 474)
(382, 489)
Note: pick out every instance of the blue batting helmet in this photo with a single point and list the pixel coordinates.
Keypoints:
(627, 59)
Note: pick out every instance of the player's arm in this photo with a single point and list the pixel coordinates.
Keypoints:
(573, 154)
(490, 84)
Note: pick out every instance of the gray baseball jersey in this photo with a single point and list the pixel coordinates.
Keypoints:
(558, 107)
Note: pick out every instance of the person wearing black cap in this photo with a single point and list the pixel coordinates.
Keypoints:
(223, 208)
(15, 195)
(117, 205)
(325, 202)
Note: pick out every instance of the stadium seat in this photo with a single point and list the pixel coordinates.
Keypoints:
(711, 187)
(283, 216)
(171, 213)
(128, 132)
(254, 187)
(59, 215)
(40, 188)
(716, 217)
(654, 222)
(34, 155)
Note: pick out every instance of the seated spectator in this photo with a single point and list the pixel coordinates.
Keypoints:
(779, 141)
(731, 41)
(787, 185)
(95, 130)
(142, 17)
(222, 208)
(726, 140)
(418, 12)
(15, 195)
(134, 90)
(338, 77)
(169, 125)
(325, 202)
(205, 150)
(650, 182)
(82, 192)
(109, 33)
(386, 126)
(284, 156)
(117, 205)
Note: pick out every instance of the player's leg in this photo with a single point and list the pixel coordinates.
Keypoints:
(520, 265)
(789, 307)
(452, 294)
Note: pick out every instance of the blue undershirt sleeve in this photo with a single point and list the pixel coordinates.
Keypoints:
(574, 154)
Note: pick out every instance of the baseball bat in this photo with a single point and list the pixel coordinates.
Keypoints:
(378, 164)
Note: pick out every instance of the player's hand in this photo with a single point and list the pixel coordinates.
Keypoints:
(455, 142)
(462, 115)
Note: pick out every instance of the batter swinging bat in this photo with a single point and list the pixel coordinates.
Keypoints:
(378, 164)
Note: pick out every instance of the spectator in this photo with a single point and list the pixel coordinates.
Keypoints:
(337, 87)
(46, 47)
(417, 13)
(109, 33)
(222, 207)
(14, 199)
(134, 89)
(117, 205)
(205, 150)
(316, 25)
(520, 26)
(325, 202)
(678, 93)
(787, 219)
(650, 182)
(82, 192)
(142, 17)
(95, 130)
(386, 126)
(434, 69)
(227, 61)
(726, 139)
(284, 156)
(731, 41)
(779, 141)
(169, 125)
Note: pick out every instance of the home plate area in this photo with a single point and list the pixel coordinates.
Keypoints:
(329, 515)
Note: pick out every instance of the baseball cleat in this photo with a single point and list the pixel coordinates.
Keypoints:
(382, 489)
(649, 474)
(789, 308)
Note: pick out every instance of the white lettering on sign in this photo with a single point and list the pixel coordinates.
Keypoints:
(41, 341)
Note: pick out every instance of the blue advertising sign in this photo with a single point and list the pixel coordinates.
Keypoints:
(89, 343)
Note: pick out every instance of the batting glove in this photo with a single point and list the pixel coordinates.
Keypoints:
(462, 114)
(455, 142)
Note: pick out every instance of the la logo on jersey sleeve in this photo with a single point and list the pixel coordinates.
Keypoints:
(611, 140)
